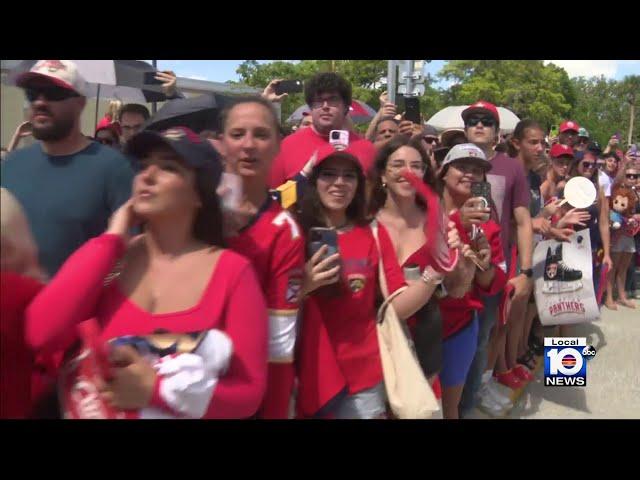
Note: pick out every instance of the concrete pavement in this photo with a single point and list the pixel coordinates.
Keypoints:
(613, 376)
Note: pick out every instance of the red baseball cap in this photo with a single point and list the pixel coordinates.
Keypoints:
(481, 106)
(559, 150)
(349, 153)
(569, 125)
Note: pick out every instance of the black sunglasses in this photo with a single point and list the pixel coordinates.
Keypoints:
(486, 121)
(588, 164)
(51, 94)
(633, 176)
(430, 140)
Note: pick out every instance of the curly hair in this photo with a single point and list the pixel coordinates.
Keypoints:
(629, 194)
(327, 82)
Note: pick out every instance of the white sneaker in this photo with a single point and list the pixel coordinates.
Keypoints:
(500, 393)
(488, 405)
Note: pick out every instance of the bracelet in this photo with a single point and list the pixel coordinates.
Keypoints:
(431, 276)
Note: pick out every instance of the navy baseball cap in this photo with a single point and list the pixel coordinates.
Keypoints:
(196, 152)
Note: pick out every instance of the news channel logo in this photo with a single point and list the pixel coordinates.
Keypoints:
(565, 361)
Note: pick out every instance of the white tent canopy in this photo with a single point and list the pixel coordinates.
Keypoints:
(451, 117)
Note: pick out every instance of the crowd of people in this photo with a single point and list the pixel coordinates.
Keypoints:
(138, 281)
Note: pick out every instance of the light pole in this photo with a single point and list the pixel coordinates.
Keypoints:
(154, 105)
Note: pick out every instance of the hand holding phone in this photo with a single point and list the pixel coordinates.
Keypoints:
(288, 86)
(150, 78)
(323, 236)
(339, 139)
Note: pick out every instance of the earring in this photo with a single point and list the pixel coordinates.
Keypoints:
(384, 185)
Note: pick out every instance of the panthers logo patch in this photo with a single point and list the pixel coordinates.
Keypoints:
(357, 282)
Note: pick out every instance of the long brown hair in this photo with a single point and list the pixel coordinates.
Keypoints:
(379, 193)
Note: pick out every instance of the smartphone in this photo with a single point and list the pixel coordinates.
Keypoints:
(339, 137)
(482, 189)
(412, 109)
(289, 86)
(150, 78)
(323, 236)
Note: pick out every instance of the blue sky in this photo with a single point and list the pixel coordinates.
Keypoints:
(223, 70)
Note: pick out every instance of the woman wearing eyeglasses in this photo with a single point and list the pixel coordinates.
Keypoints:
(339, 365)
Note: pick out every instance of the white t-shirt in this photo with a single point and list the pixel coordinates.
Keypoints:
(605, 181)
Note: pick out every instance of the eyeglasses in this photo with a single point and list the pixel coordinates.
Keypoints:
(331, 176)
(486, 121)
(105, 141)
(588, 164)
(632, 176)
(333, 101)
(468, 168)
(50, 94)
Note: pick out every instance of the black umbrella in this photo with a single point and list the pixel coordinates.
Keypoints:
(197, 113)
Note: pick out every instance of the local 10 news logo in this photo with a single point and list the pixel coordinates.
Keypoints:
(565, 361)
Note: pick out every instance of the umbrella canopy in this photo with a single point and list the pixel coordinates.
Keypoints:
(359, 112)
(451, 117)
(109, 79)
(197, 113)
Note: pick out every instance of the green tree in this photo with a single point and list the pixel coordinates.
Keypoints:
(364, 76)
(527, 87)
(604, 107)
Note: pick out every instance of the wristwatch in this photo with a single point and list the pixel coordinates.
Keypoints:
(527, 271)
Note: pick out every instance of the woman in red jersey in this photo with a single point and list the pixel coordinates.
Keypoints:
(171, 333)
(339, 360)
(268, 236)
(21, 278)
(481, 271)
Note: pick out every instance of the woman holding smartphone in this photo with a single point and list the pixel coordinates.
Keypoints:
(174, 285)
(267, 235)
(397, 206)
(339, 363)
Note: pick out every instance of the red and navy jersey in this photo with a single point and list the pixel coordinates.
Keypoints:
(457, 313)
(275, 246)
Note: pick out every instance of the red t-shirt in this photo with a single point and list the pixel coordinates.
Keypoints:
(296, 150)
(458, 312)
(275, 246)
(16, 358)
(232, 302)
(350, 317)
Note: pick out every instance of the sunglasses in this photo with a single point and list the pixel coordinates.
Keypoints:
(105, 141)
(588, 164)
(51, 94)
(633, 176)
(486, 121)
(430, 140)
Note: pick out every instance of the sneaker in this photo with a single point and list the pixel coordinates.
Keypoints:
(499, 393)
(492, 408)
(558, 277)
(523, 373)
(510, 380)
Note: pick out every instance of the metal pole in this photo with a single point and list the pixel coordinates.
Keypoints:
(97, 106)
(391, 80)
(632, 117)
(154, 106)
(409, 78)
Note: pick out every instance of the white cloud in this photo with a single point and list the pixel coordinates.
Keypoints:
(591, 68)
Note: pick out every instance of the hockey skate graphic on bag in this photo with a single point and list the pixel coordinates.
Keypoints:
(558, 277)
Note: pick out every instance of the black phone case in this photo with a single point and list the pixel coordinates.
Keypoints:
(412, 110)
(289, 86)
(150, 79)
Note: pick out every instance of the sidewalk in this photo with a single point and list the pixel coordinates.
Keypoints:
(613, 376)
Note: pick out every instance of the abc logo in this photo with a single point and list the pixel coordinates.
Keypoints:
(589, 351)
(566, 361)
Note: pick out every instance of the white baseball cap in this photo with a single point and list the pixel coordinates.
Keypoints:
(466, 151)
(63, 73)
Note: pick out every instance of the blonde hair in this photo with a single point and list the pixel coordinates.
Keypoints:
(114, 110)
(19, 252)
